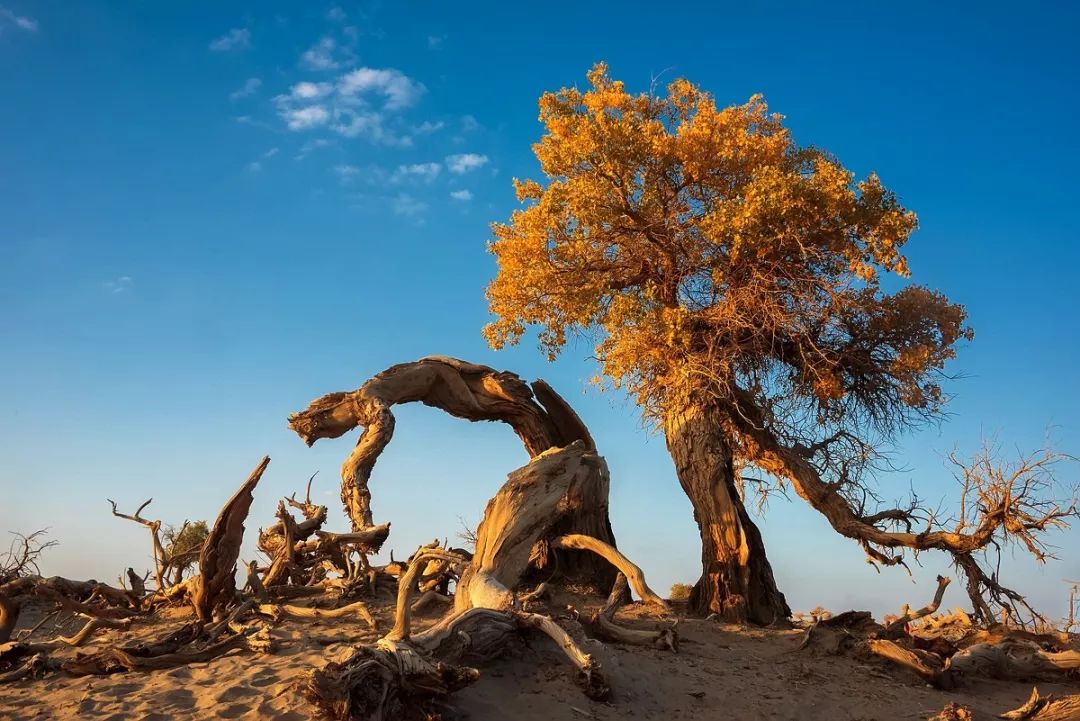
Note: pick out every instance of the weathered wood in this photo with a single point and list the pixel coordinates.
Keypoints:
(926, 665)
(1046, 708)
(475, 393)
(625, 566)
(215, 585)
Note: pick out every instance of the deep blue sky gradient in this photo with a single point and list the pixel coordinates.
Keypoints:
(171, 286)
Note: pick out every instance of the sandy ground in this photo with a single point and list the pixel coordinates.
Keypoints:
(721, 672)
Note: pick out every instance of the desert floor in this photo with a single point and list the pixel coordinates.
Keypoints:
(721, 672)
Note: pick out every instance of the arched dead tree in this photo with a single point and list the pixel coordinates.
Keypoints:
(538, 415)
(406, 675)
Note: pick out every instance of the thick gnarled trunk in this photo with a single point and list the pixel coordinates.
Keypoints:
(736, 580)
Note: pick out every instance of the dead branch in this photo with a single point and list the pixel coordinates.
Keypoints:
(93, 623)
(897, 627)
(356, 609)
(117, 660)
(21, 558)
(926, 665)
(154, 526)
(591, 675)
(215, 585)
(1000, 503)
(632, 572)
(1046, 708)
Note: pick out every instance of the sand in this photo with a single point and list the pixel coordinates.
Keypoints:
(721, 672)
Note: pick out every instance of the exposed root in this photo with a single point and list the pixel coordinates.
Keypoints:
(590, 674)
(92, 624)
(629, 569)
(358, 609)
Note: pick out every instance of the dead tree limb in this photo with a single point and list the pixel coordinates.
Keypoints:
(155, 527)
(356, 609)
(475, 393)
(898, 626)
(215, 585)
(629, 569)
(1046, 708)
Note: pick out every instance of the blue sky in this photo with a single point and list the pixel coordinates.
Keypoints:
(211, 213)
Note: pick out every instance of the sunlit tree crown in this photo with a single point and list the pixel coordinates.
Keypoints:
(706, 251)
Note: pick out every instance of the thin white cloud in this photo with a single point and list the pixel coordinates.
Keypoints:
(22, 22)
(407, 205)
(361, 103)
(270, 153)
(311, 146)
(309, 91)
(336, 14)
(462, 195)
(249, 88)
(254, 167)
(421, 171)
(427, 127)
(347, 173)
(235, 39)
(434, 42)
(465, 162)
(469, 124)
(118, 285)
(311, 116)
(397, 89)
(326, 54)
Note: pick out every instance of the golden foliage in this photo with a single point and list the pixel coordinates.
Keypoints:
(703, 248)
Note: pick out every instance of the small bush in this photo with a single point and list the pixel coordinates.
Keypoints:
(680, 592)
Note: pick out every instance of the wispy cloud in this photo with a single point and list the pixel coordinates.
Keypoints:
(361, 103)
(327, 54)
(347, 173)
(235, 39)
(427, 127)
(407, 205)
(469, 124)
(434, 42)
(465, 162)
(256, 166)
(426, 172)
(22, 22)
(249, 88)
(311, 146)
(118, 285)
(397, 89)
(310, 116)
(462, 195)
(336, 14)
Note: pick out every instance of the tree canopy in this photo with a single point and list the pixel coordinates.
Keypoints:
(717, 264)
(705, 248)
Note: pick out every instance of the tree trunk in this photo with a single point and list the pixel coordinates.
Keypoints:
(736, 580)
